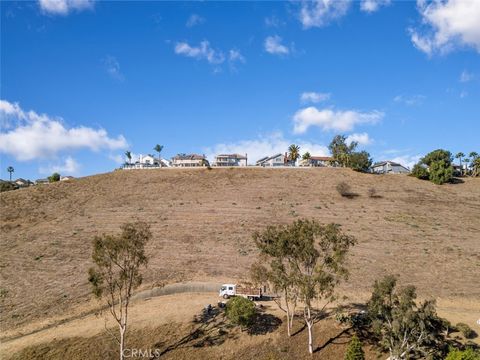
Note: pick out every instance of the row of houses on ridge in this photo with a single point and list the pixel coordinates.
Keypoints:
(234, 160)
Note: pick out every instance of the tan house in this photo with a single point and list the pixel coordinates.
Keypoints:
(189, 160)
(319, 161)
(230, 160)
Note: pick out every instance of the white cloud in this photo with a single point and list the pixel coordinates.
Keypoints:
(235, 56)
(328, 119)
(371, 6)
(112, 67)
(64, 7)
(465, 76)
(264, 146)
(273, 21)
(273, 45)
(69, 166)
(201, 52)
(194, 20)
(320, 13)
(37, 136)
(314, 97)
(409, 100)
(446, 25)
(361, 139)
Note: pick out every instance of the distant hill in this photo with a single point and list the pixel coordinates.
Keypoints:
(202, 221)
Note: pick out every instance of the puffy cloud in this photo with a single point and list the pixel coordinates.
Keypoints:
(194, 20)
(273, 45)
(328, 119)
(371, 6)
(69, 166)
(361, 139)
(201, 52)
(273, 21)
(64, 7)
(320, 13)
(112, 67)
(409, 100)
(447, 24)
(465, 76)
(265, 146)
(35, 136)
(314, 97)
(235, 56)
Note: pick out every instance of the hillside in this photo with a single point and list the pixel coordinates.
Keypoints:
(202, 223)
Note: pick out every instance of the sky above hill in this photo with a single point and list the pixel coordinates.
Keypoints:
(83, 81)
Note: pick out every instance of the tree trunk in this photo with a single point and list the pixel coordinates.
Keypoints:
(122, 340)
(308, 320)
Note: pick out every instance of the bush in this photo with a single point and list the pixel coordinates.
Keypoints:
(240, 311)
(54, 177)
(360, 161)
(344, 189)
(354, 350)
(7, 186)
(420, 172)
(468, 354)
(465, 330)
(440, 172)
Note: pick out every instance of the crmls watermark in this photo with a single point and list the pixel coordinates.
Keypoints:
(141, 353)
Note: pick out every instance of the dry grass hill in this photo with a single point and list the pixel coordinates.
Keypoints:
(202, 221)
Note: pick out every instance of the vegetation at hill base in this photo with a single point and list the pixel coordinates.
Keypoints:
(355, 349)
(240, 311)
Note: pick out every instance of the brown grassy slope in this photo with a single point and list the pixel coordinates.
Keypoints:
(202, 223)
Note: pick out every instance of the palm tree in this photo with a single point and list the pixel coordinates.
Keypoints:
(128, 154)
(10, 169)
(293, 153)
(158, 148)
(459, 156)
(473, 155)
(306, 156)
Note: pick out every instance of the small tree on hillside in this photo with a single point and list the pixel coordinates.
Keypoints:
(342, 152)
(307, 260)
(118, 259)
(240, 311)
(403, 327)
(437, 165)
(360, 161)
(354, 349)
(54, 177)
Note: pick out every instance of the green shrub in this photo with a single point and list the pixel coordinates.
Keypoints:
(465, 330)
(7, 186)
(354, 350)
(440, 172)
(240, 311)
(54, 177)
(468, 354)
(420, 172)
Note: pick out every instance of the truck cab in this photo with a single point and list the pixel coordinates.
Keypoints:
(228, 290)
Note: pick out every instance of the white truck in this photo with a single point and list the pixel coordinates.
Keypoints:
(229, 290)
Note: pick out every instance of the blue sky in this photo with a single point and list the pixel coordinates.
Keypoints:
(83, 81)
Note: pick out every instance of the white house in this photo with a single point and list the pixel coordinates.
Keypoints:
(147, 162)
(230, 160)
(66, 178)
(389, 167)
(319, 161)
(275, 160)
(189, 160)
(23, 183)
